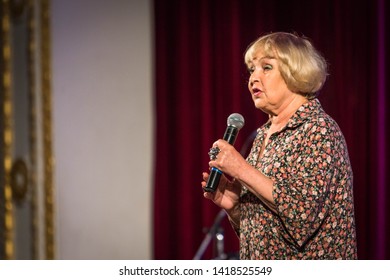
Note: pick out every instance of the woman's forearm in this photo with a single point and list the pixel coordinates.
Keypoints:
(234, 217)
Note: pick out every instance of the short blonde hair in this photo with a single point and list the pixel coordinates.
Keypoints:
(302, 67)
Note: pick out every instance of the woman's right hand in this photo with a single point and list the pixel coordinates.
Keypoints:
(227, 194)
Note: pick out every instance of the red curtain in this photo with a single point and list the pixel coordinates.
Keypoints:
(201, 79)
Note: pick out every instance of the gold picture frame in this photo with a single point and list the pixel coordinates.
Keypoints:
(26, 218)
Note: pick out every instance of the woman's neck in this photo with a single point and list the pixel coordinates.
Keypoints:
(280, 119)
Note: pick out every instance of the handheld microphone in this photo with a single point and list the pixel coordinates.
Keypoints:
(234, 123)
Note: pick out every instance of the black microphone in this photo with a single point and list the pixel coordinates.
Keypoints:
(234, 123)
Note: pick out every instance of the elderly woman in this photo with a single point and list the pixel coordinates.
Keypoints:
(292, 197)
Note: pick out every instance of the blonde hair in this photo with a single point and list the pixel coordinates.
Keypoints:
(302, 67)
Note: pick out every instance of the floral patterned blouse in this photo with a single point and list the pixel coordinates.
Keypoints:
(314, 214)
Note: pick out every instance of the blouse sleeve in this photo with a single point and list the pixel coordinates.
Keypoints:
(304, 181)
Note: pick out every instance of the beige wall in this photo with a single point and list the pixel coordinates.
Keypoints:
(103, 128)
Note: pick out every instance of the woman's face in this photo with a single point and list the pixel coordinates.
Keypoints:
(268, 89)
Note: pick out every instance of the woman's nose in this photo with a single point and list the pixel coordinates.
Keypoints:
(253, 79)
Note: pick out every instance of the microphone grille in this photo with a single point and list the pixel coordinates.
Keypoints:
(236, 120)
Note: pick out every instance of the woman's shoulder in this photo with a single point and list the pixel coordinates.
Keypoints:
(318, 118)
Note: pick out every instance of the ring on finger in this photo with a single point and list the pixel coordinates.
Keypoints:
(213, 153)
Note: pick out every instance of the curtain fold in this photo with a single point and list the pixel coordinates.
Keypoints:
(201, 79)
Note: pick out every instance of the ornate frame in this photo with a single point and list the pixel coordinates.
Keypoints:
(34, 174)
(6, 134)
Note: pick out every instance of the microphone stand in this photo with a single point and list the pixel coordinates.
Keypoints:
(213, 232)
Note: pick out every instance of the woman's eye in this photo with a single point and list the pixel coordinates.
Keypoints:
(251, 70)
(267, 67)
